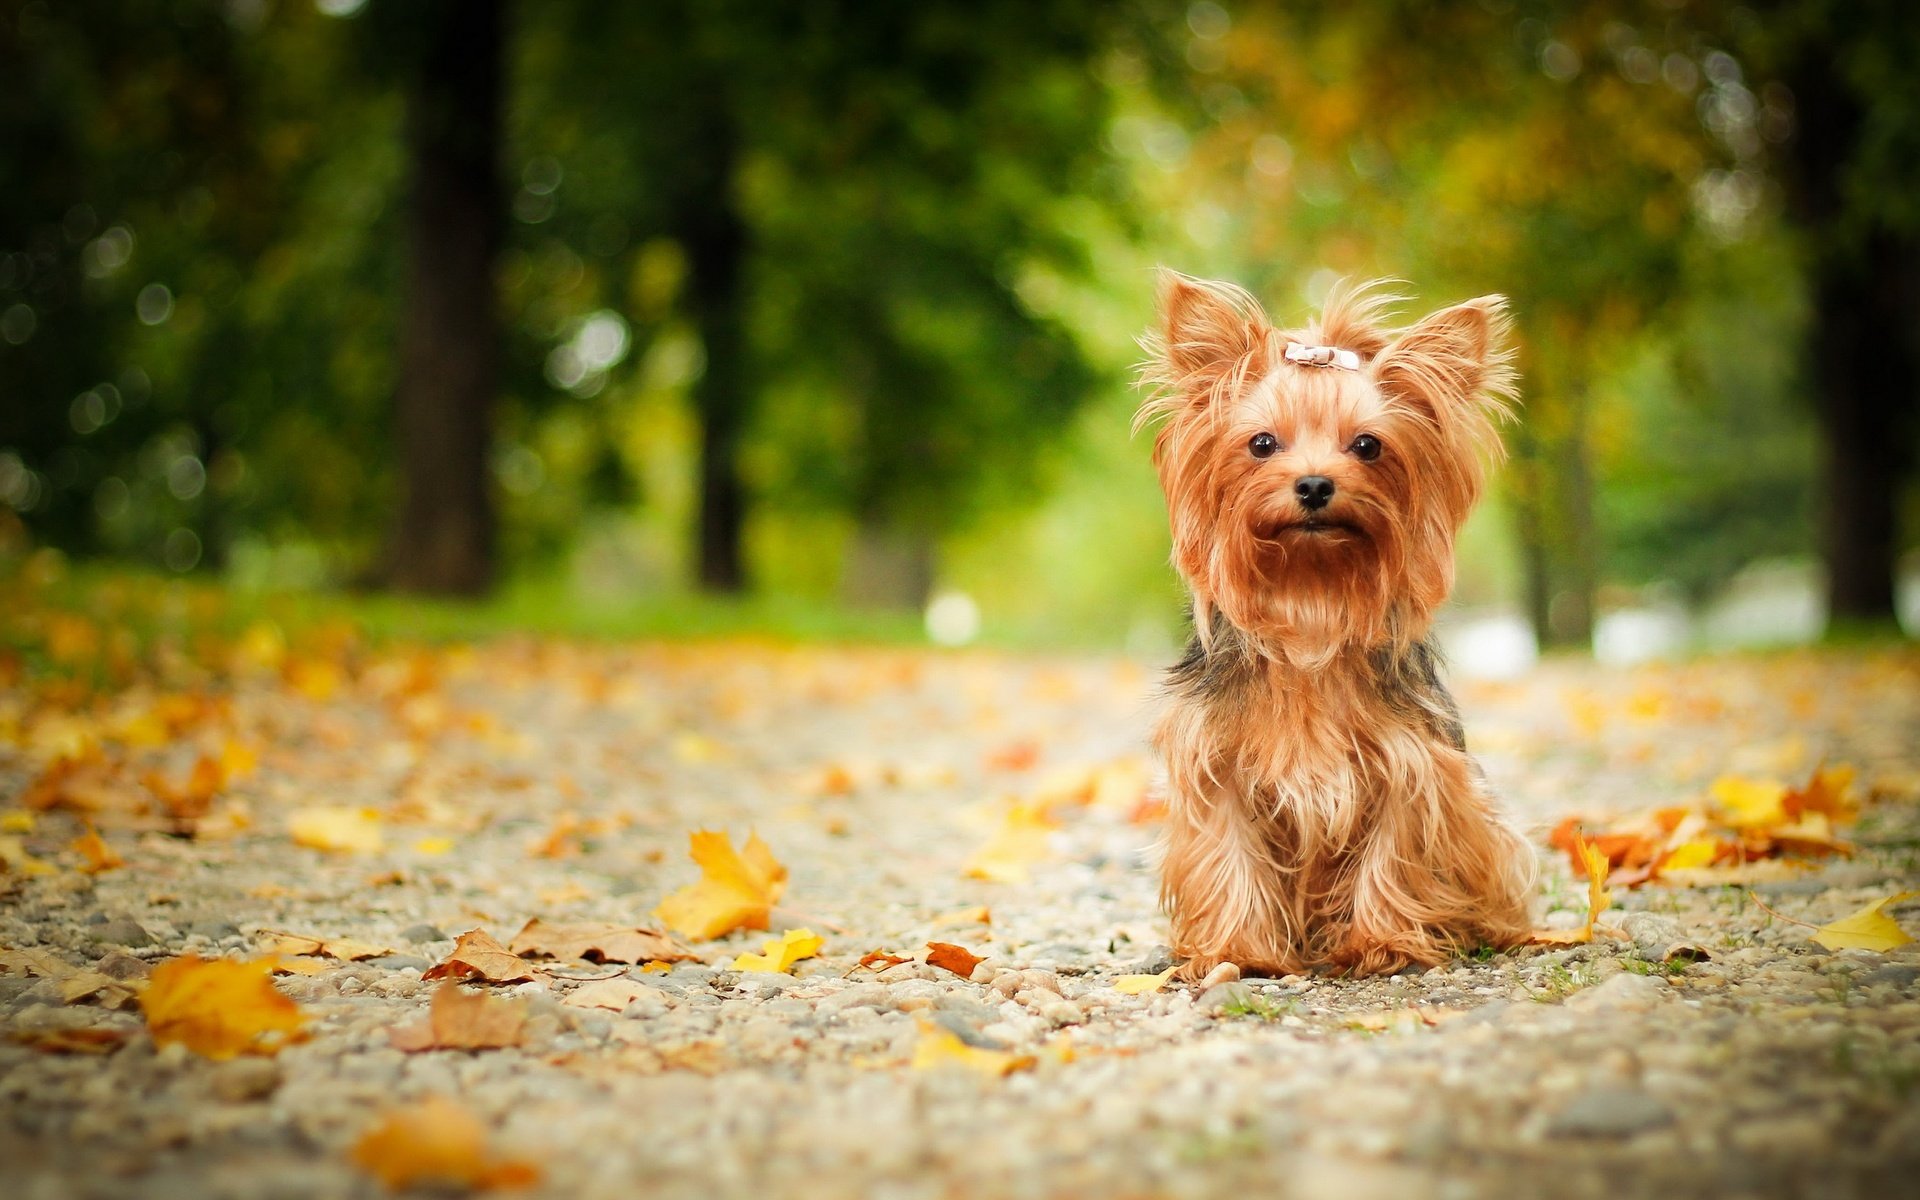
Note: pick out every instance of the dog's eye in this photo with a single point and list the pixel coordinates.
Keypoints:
(1263, 445)
(1366, 447)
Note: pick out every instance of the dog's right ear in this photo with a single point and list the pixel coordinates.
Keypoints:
(1206, 328)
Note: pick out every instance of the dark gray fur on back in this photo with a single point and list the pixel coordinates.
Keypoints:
(1408, 680)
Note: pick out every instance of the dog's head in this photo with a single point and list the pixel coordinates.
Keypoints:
(1316, 478)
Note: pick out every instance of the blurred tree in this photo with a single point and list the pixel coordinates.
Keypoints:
(450, 350)
(1852, 175)
(857, 193)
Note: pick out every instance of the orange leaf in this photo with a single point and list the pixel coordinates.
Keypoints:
(957, 959)
(436, 1142)
(883, 960)
(100, 856)
(461, 1020)
(219, 1007)
(478, 954)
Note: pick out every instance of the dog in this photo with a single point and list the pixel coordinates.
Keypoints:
(1322, 810)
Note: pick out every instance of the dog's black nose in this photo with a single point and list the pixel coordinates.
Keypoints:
(1314, 491)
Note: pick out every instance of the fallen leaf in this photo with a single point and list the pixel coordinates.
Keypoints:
(437, 1142)
(477, 954)
(85, 985)
(39, 963)
(14, 859)
(100, 856)
(1828, 791)
(600, 942)
(779, 954)
(656, 968)
(1599, 899)
(736, 890)
(219, 1007)
(1020, 842)
(1748, 803)
(344, 949)
(1698, 852)
(337, 828)
(958, 959)
(1868, 929)
(461, 1020)
(192, 798)
(979, 914)
(882, 960)
(613, 994)
(95, 1039)
(1016, 756)
(1135, 985)
(940, 1048)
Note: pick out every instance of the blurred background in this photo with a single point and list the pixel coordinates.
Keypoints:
(821, 316)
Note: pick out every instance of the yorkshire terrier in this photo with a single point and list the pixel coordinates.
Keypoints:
(1322, 809)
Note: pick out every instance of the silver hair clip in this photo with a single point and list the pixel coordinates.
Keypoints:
(1322, 356)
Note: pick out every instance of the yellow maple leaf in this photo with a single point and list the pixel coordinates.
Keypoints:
(436, 1141)
(335, 827)
(1869, 929)
(779, 954)
(938, 1048)
(1750, 803)
(1020, 842)
(220, 1007)
(1135, 985)
(736, 890)
(1599, 899)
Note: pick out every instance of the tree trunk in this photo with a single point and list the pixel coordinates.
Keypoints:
(450, 351)
(1863, 350)
(714, 236)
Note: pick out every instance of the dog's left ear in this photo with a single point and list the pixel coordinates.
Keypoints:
(1452, 357)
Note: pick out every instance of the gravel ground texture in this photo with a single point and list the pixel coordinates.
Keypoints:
(520, 779)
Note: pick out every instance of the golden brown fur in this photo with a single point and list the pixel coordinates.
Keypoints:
(1322, 807)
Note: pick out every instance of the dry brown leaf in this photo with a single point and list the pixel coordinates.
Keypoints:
(40, 963)
(96, 1039)
(592, 941)
(958, 959)
(477, 954)
(219, 1007)
(92, 985)
(461, 1020)
(882, 960)
(614, 994)
(344, 949)
(437, 1142)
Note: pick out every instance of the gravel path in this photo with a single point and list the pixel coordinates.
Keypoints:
(525, 779)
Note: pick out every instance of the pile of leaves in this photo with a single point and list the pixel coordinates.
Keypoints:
(1743, 831)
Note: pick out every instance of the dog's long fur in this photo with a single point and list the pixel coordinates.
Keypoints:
(1322, 806)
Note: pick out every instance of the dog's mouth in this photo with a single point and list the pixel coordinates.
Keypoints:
(1310, 527)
